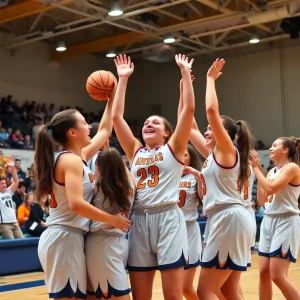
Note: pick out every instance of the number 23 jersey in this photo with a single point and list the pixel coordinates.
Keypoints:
(157, 174)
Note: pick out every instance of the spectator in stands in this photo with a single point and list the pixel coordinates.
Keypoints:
(20, 172)
(38, 123)
(23, 211)
(30, 178)
(36, 223)
(3, 165)
(28, 144)
(18, 140)
(52, 110)
(9, 227)
(19, 195)
(3, 137)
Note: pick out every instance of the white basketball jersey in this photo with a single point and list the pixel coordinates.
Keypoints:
(285, 200)
(7, 211)
(246, 190)
(60, 212)
(105, 206)
(188, 197)
(92, 163)
(157, 175)
(220, 184)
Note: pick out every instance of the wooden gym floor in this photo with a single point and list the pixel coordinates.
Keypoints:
(30, 286)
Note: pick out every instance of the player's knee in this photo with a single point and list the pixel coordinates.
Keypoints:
(188, 290)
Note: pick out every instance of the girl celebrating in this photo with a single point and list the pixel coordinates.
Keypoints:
(68, 181)
(227, 240)
(190, 193)
(106, 248)
(158, 238)
(279, 234)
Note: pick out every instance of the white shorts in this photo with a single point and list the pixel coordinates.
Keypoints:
(280, 237)
(194, 244)
(227, 239)
(158, 239)
(62, 257)
(253, 224)
(106, 258)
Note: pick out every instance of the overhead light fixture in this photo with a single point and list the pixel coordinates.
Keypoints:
(169, 39)
(115, 9)
(61, 47)
(111, 53)
(254, 39)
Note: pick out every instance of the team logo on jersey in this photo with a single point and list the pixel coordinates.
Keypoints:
(185, 184)
(149, 160)
(205, 164)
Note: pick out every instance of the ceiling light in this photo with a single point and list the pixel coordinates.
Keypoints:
(111, 53)
(115, 9)
(169, 39)
(61, 47)
(254, 39)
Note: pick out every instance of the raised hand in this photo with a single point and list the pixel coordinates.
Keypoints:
(183, 61)
(10, 162)
(254, 159)
(124, 65)
(214, 71)
(192, 78)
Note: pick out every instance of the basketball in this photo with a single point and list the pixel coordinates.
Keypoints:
(100, 84)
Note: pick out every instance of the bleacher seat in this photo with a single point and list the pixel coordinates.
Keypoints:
(19, 255)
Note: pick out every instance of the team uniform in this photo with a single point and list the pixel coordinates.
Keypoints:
(158, 238)
(92, 163)
(61, 246)
(106, 250)
(189, 202)
(228, 236)
(279, 233)
(9, 227)
(246, 192)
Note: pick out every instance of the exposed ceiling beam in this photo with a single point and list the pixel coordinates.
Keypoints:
(225, 10)
(25, 9)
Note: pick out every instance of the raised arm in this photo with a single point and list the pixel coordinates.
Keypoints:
(15, 179)
(196, 138)
(181, 136)
(124, 134)
(104, 129)
(289, 174)
(72, 167)
(224, 145)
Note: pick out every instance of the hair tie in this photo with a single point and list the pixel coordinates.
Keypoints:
(49, 127)
(238, 123)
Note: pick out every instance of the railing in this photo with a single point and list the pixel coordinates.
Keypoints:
(10, 120)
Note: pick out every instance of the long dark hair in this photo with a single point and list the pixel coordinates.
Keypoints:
(244, 143)
(293, 144)
(113, 179)
(195, 161)
(55, 131)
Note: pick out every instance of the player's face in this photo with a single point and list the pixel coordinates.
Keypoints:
(209, 138)
(2, 185)
(81, 134)
(154, 131)
(187, 158)
(277, 150)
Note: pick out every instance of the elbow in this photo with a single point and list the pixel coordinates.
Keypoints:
(212, 111)
(116, 117)
(75, 206)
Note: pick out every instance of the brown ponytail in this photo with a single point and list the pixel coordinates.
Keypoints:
(56, 131)
(244, 143)
(293, 144)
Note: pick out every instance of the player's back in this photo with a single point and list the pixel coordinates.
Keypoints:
(60, 212)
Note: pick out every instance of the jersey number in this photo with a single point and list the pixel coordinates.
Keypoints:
(52, 200)
(154, 172)
(8, 203)
(182, 196)
(245, 188)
